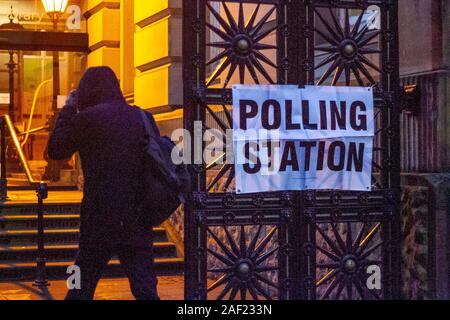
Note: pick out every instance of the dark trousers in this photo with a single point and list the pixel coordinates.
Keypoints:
(137, 264)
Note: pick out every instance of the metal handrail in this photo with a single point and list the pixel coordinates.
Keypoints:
(17, 145)
(33, 131)
(33, 106)
(41, 193)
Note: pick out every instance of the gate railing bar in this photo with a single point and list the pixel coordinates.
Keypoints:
(6, 125)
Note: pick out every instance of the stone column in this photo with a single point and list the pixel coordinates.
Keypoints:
(127, 29)
(157, 55)
(103, 25)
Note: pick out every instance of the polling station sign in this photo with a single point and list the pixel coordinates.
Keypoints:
(290, 139)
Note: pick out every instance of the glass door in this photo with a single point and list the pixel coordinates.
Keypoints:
(35, 105)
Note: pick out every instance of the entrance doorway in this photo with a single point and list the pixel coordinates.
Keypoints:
(33, 108)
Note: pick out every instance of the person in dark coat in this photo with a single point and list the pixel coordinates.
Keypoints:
(109, 136)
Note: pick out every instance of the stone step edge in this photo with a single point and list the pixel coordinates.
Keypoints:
(7, 218)
(56, 264)
(16, 248)
(52, 231)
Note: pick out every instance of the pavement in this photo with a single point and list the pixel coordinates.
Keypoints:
(169, 288)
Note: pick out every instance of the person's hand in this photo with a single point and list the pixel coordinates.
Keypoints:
(72, 99)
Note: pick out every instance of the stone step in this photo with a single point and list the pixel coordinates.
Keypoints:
(23, 176)
(53, 236)
(14, 222)
(29, 209)
(51, 188)
(51, 221)
(18, 238)
(26, 271)
(19, 182)
(61, 252)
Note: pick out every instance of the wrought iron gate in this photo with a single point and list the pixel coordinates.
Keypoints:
(305, 245)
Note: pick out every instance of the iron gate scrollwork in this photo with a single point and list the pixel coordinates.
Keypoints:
(303, 245)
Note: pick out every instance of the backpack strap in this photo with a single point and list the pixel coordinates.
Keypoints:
(145, 120)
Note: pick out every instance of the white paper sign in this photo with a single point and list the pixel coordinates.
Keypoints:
(289, 139)
(4, 98)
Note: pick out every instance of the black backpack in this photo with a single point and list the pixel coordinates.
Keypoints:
(165, 184)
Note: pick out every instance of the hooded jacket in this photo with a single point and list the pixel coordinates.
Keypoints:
(109, 136)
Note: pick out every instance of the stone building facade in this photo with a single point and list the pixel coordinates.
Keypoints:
(141, 41)
(425, 154)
